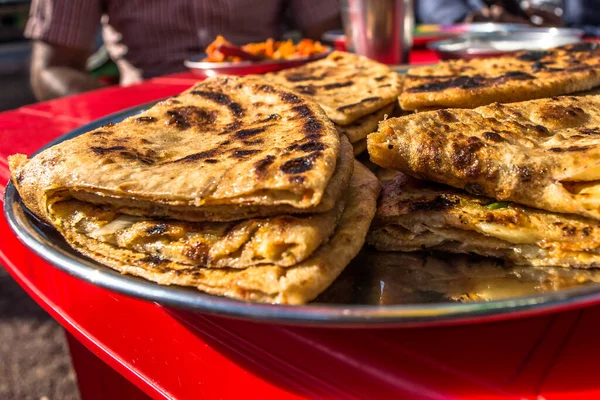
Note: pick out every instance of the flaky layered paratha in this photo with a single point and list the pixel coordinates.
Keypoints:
(414, 215)
(359, 129)
(295, 284)
(523, 76)
(346, 85)
(282, 240)
(228, 148)
(541, 153)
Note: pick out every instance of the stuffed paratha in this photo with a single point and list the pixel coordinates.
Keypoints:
(523, 76)
(228, 148)
(346, 85)
(414, 215)
(541, 153)
(265, 283)
(282, 240)
(359, 129)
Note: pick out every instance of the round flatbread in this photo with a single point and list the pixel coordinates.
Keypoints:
(228, 148)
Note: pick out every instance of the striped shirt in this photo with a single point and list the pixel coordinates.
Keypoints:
(153, 37)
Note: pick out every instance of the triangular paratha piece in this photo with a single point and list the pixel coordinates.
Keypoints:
(523, 76)
(359, 129)
(542, 153)
(346, 85)
(413, 215)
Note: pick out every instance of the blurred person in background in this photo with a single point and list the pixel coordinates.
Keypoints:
(147, 38)
(575, 13)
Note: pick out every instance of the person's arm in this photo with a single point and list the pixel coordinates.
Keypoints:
(315, 17)
(58, 71)
(442, 11)
(582, 14)
(63, 32)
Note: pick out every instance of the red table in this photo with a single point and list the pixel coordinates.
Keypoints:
(123, 348)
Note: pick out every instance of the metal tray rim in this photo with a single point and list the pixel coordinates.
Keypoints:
(315, 314)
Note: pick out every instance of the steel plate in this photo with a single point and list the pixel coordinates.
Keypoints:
(376, 290)
(477, 45)
(208, 69)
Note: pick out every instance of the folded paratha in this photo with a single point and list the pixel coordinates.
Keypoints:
(414, 215)
(359, 129)
(542, 153)
(522, 76)
(346, 85)
(271, 283)
(282, 240)
(229, 148)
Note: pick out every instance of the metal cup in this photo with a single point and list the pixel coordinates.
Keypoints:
(379, 29)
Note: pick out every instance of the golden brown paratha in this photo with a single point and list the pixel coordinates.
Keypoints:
(282, 240)
(346, 85)
(228, 148)
(265, 283)
(359, 129)
(541, 153)
(523, 76)
(414, 215)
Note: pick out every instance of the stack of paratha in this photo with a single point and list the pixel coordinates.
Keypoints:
(355, 92)
(525, 181)
(237, 187)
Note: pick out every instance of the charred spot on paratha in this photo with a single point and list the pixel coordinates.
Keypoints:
(197, 252)
(261, 165)
(246, 133)
(271, 117)
(439, 203)
(354, 105)
(221, 98)
(337, 85)
(468, 82)
(241, 153)
(133, 155)
(104, 150)
(290, 98)
(300, 164)
(589, 131)
(306, 89)
(570, 148)
(253, 142)
(145, 119)
(198, 156)
(562, 116)
(446, 117)
(524, 173)
(151, 260)
(306, 75)
(156, 229)
(464, 156)
(492, 136)
(188, 116)
(533, 55)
